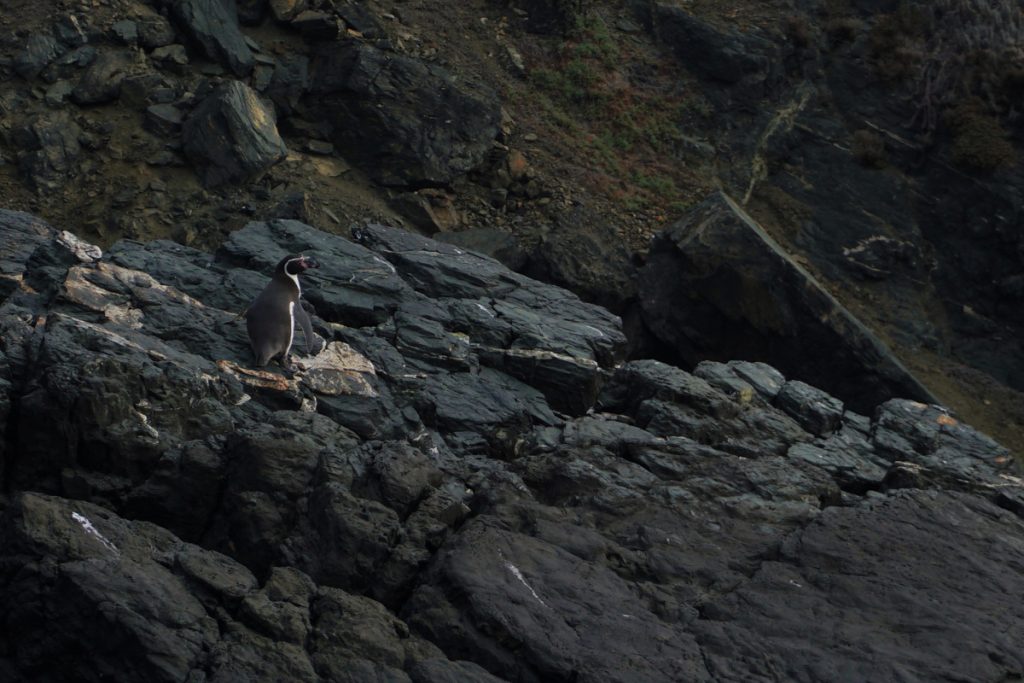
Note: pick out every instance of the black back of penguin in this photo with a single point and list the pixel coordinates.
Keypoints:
(270, 320)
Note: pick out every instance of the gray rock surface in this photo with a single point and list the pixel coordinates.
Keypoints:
(467, 483)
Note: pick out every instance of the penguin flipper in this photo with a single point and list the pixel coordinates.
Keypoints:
(307, 328)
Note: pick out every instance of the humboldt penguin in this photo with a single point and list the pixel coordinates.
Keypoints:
(272, 316)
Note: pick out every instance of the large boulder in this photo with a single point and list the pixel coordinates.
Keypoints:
(408, 123)
(232, 136)
(49, 151)
(213, 24)
(717, 286)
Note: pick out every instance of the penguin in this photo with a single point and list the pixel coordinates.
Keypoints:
(271, 318)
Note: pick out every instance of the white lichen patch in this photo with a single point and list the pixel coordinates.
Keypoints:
(93, 531)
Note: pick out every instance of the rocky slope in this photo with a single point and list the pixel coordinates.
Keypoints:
(874, 142)
(467, 484)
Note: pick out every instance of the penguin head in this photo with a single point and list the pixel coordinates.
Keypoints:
(295, 264)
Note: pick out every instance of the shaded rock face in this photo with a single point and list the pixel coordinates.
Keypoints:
(213, 24)
(715, 285)
(750, 63)
(832, 136)
(467, 483)
(231, 136)
(49, 148)
(394, 115)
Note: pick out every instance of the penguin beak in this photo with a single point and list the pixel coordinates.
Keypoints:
(309, 262)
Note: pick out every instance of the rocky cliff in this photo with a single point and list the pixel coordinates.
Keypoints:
(468, 483)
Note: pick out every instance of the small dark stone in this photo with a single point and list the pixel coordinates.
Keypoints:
(40, 50)
(70, 31)
(127, 31)
(170, 55)
(252, 12)
(318, 26)
(291, 78)
(58, 93)
(163, 120)
(102, 81)
(499, 196)
(286, 10)
(417, 210)
(154, 31)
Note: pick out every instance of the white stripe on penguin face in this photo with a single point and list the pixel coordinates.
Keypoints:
(293, 276)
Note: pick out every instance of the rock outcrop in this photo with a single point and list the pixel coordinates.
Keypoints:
(746, 298)
(468, 483)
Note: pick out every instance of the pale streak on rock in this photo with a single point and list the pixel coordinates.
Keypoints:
(93, 531)
(116, 307)
(83, 251)
(543, 354)
(522, 579)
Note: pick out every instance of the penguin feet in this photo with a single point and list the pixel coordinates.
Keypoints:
(290, 367)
